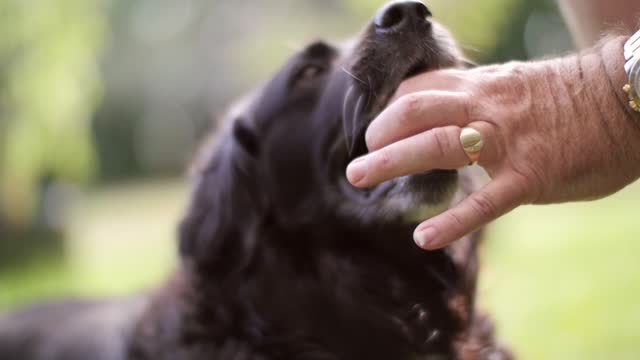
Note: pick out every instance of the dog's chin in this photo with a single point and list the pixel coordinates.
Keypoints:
(408, 199)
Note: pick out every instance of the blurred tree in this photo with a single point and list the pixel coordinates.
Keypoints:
(49, 87)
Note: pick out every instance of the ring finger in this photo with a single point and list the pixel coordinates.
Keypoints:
(438, 148)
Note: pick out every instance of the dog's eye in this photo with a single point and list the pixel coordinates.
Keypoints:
(308, 73)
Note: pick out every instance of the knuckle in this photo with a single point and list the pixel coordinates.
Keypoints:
(408, 86)
(453, 218)
(476, 110)
(405, 87)
(371, 138)
(383, 161)
(474, 84)
(439, 139)
(528, 183)
(484, 205)
(410, 106)
(470, 112)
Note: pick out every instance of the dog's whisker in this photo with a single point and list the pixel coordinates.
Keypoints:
(357, 111)
(346, 118)
(354, 77)
(355, 121)
(470, 48)
(441, 279)
(372, 91)
(430, 48)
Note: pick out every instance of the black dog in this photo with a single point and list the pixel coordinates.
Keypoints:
(282, 258)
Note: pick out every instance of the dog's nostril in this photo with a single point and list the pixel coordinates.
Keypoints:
(398, 13)
(390, 17)
(421, 10)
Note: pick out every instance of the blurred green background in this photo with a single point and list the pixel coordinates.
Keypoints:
(102, 103)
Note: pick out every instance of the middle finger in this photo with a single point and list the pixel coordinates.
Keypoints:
(415, 113)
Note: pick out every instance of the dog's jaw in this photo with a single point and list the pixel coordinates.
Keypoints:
(409, 199)
(396, 201)
(416, 212)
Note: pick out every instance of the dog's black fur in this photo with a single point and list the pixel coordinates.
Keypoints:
(281, 258)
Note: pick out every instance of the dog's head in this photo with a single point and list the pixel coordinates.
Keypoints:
(273, 206)
(283, 156)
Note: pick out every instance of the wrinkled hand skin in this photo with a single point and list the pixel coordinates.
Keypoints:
(555, 131)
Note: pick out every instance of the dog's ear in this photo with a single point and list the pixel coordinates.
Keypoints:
(246, 136)
(224, 206)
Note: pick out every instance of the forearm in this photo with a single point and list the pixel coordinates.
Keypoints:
(588, 20)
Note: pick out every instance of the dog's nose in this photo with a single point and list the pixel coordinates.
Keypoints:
(399, 14)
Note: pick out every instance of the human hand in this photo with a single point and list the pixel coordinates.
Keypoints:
(554, 131)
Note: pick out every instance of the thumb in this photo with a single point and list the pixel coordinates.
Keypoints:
(492, 201)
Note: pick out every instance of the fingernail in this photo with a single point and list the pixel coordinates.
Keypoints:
(357, 170)
(424, 238)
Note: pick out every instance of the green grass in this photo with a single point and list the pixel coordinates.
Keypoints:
(562, 281)
(121, 240)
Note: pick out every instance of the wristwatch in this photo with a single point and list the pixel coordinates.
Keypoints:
(632, 67)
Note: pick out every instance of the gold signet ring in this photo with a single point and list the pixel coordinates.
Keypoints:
(472, 143)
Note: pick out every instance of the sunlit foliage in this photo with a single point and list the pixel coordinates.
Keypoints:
(50, 86)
